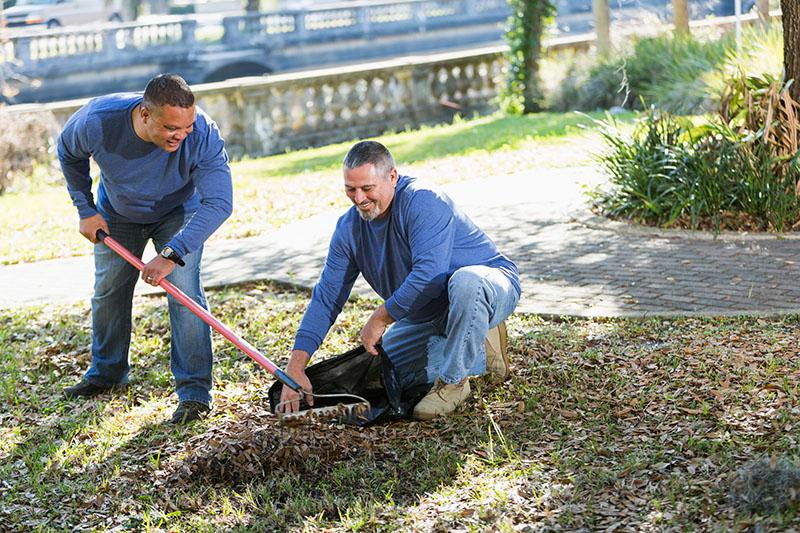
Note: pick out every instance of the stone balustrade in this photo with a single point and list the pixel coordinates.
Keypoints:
(268, 115)
(354, 20)
(316, 24)
(35, 52)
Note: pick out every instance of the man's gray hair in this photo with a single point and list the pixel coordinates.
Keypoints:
(168, 89)
(369, 152)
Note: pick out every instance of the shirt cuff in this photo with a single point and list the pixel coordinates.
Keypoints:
(86, 212)
(394, 310)
(305, 343)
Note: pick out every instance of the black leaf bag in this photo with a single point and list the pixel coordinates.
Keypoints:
(360, 373)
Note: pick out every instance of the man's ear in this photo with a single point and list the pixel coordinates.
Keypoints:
(144, 113)
(393, 175)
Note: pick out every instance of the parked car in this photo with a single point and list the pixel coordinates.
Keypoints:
(55, 13)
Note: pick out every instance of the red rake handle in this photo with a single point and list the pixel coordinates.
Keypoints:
(204, 315)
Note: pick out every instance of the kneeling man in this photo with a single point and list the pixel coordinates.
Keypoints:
(447, 289)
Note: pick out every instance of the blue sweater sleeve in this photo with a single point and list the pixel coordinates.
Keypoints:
(430, 223)
(73, 155)
(212, 179)
(329, 294)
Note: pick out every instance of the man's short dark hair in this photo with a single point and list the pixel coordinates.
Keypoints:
(167, 89)
(369, 152)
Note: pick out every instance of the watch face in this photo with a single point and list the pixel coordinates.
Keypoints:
(166, 252)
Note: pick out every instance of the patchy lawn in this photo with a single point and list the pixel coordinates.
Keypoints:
(41, 223)
(605, 425)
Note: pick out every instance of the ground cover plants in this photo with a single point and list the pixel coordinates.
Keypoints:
(39, 222)
(737, 170)
(647, 425)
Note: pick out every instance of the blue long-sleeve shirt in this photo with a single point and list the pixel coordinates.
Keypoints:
(140, 182)
(407, 257)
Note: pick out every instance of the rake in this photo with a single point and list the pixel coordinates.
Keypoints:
(226, 332)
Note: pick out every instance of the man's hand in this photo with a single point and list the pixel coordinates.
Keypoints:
(296, 369)
(89, 226)
(156, 270)
(373, 330)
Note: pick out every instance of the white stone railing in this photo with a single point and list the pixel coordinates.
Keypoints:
(267, 115)
(38, 51)
(359, 20)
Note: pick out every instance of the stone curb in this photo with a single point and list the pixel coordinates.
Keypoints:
(596, 222)
(645, 315)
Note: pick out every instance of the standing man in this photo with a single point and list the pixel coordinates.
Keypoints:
(164, 176)
(446, 287)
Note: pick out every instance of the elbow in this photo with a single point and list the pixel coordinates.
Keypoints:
(227, 210)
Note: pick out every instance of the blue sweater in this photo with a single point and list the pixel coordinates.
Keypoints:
(140, 182)
(407, 258)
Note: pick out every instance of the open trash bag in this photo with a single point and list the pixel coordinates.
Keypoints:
(360, 373)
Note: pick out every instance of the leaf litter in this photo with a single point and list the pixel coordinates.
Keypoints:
(608, 424)
(255, 442)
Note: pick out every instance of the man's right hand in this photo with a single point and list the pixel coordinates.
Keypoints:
(296, 369)
(89, 226)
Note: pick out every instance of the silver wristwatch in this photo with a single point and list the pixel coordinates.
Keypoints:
(172, 255)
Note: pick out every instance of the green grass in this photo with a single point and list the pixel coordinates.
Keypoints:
(640, 423)
(270, 192)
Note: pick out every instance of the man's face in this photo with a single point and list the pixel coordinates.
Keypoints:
(370, 190)
(167, 126)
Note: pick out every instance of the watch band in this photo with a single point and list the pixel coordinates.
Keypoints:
(172, 255)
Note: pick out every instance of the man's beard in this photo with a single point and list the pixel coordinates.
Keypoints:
(370, 215)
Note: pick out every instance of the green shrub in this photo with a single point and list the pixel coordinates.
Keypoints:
(645, 170)
(678, 74)
(26, 140)
(739, 171)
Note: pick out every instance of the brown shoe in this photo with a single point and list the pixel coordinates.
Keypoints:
(442, 399)
(497, 363)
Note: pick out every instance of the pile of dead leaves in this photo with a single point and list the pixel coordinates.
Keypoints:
(254, 442)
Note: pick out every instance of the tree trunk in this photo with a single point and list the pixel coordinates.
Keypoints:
(158, 7)
(252, 6)
(791, 44)
(602, 25)
(680, 16)
(762, 8)
(131, 9)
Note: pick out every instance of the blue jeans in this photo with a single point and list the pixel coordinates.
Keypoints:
(190, 353)
(451, 347)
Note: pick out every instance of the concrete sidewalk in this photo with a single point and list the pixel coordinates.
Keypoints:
(571, 263)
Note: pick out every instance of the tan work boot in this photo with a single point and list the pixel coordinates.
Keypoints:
(442, 399)
(496, 344)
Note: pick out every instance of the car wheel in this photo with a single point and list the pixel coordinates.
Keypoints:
(53, 23)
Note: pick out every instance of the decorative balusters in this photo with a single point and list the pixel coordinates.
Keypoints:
(279, 110)
(277, 24)
(343, 105)
(270, 116)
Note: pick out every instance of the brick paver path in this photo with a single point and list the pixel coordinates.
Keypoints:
(570, 262)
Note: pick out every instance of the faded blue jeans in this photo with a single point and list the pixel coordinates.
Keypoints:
(190, 352)
(451, 347)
